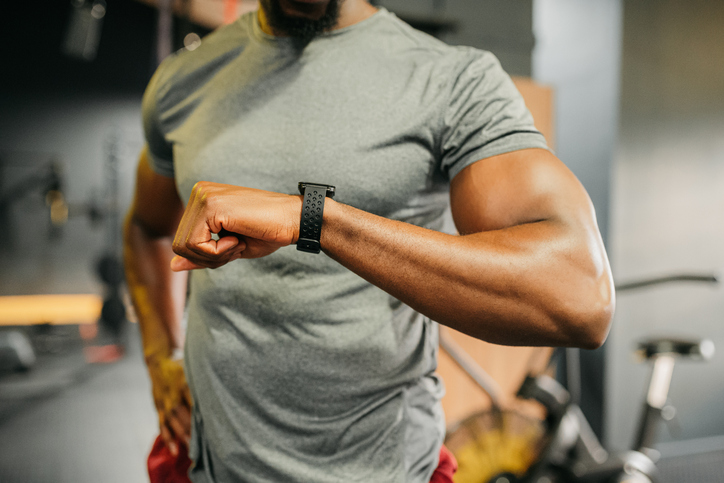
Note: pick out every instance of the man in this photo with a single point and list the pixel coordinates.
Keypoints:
(320, 367)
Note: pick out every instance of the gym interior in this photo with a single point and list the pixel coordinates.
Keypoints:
(630, 96)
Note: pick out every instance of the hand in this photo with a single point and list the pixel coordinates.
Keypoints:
(172, 398)
(261, 223)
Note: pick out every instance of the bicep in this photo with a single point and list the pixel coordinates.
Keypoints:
(517, 188)
(156, 207)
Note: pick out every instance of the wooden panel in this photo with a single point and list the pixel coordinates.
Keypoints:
(507, 365)
(539, 99)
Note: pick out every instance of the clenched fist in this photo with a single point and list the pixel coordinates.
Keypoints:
(250, 223)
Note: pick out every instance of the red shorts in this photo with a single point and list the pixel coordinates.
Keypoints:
(446, 468)
(163, 467)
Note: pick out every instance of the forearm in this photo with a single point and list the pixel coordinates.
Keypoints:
(530, 268)
(503, 286)
(158, 294)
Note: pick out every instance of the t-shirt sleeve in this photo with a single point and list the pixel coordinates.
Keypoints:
(159, 148)
(485, 115)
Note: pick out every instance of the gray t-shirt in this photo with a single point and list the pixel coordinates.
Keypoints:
(300, 370)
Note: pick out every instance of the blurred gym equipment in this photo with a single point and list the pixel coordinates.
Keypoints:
(46, 179)
(496, 441)
(16, 352)
(507, 446)
(41, 311)
(45, 311)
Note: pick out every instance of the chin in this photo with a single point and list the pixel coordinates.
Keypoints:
(301, 18)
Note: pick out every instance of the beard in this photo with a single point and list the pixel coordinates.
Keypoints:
(303, 28)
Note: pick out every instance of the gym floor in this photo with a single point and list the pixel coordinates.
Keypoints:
(70, 422)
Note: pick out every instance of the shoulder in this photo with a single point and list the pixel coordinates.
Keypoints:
(406, 36)
(399, 38)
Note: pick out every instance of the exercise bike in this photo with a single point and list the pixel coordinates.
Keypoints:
(505, 446)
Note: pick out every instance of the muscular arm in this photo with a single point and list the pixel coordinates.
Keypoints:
(158, 293)
(529, 267)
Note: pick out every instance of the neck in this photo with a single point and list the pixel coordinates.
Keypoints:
(350, 13)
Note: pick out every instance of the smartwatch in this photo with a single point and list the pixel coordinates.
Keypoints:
(310, 225)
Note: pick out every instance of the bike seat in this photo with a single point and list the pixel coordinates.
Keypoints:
(689, 348)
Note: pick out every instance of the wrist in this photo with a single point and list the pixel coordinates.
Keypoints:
(160, 358)
(341, 222)
(295, 213)
(330, 221)
(156, 360)
(331, 207)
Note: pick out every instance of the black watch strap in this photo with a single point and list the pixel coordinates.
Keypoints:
(310, 226)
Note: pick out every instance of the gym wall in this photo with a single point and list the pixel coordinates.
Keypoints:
(55, 108)
(667, 212)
